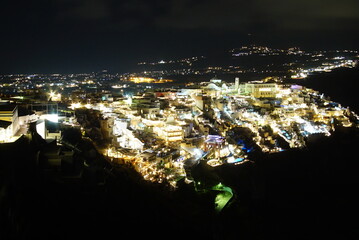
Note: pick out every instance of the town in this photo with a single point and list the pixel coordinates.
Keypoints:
(161, 132)
(179, 119)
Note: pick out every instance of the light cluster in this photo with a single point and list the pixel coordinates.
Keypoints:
(159, 131)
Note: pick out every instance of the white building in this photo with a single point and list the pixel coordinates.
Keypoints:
(236, 84)
(9, 122)
(169, 133)
(129, 140)
(119, 125)
(260, 90)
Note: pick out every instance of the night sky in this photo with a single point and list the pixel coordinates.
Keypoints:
(47, 36)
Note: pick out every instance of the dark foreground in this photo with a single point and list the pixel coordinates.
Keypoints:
(299, 194)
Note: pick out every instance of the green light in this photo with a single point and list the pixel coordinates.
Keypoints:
(223, 197)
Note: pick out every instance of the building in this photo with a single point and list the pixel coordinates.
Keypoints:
(48, 129)
(169, 133)
(5, 131)
(236, 84)
(260, 90)
(129, 139)
(106, 126)
(9, 122)
(215, 80)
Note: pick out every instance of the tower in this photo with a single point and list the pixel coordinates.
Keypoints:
(236, 83)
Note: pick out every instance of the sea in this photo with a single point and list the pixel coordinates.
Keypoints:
(341, 85)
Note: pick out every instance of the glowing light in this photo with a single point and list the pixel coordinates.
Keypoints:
(223, 197)
(56, 97)
(309, 128)
(148, 80)
(50, 117)
(214, 162)
(234, 160)
(265, 89)
(75, 105)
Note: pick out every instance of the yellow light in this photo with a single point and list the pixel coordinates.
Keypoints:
(148, 80)
(75, 105)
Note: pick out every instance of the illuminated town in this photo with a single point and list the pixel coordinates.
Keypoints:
(179, 119)
(162, 126)
(158, 131)
(185, 128)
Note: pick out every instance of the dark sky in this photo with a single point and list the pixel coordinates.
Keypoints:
(90, 35)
